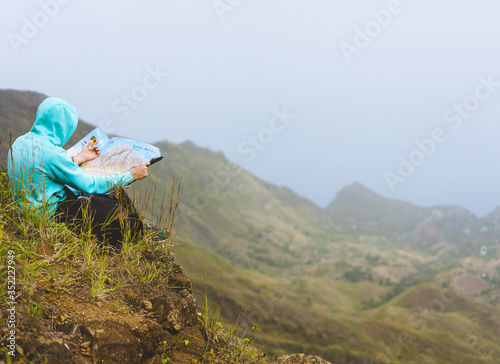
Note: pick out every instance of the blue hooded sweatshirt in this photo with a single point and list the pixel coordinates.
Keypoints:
(39, 168)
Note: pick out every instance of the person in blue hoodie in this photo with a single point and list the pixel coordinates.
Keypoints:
(39, 170)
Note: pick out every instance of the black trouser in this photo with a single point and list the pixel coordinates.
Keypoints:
(109, 216)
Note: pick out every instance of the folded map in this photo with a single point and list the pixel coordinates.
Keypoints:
(118, 155)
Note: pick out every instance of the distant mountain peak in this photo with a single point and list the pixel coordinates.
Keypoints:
(356, 189)
(359, 203)
(356, 193)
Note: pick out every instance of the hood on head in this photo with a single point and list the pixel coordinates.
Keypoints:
(56, 120)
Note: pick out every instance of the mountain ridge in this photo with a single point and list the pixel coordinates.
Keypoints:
(26, 103)
(215, 186)
(326, 281)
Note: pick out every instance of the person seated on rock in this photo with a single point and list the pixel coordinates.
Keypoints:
(40, 170)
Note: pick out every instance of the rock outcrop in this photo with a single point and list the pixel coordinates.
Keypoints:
(301, 359)
(151, 324)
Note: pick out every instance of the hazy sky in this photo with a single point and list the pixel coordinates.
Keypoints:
(360, 80)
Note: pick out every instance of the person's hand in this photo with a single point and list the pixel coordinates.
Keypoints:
(90, 154)
(86, 154)
(141, 171)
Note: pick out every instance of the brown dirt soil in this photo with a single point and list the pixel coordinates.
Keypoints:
(152, 323)
(137, 324)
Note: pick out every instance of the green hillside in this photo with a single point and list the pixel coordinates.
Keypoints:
(366, 279)
(233, 214)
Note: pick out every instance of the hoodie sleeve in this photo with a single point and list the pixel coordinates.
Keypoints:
(64, 170)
